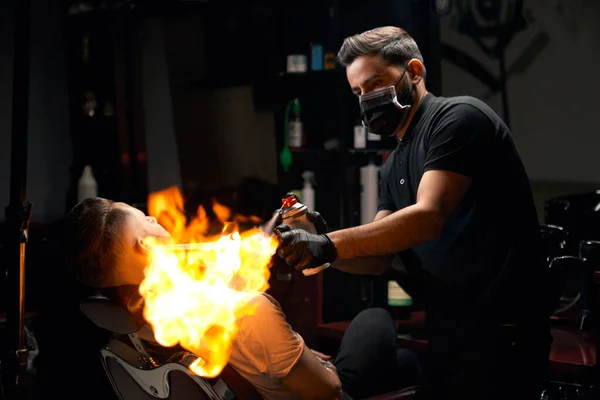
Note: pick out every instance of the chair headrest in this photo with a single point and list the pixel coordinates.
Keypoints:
(118, 310)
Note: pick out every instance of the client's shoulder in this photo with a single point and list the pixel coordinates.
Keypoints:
(263, 305)
(263, 314)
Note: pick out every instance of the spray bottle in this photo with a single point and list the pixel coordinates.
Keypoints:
(293, 213)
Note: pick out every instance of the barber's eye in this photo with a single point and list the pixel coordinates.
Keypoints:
(376, 84)
(152, 220)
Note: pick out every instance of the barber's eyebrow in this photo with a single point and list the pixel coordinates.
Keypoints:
(366, 81)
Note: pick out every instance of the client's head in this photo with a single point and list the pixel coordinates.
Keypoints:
(105, 242)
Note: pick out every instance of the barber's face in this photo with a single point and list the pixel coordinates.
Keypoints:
(369, 73)
(138, 227)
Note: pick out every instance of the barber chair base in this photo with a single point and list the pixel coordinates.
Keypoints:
(133, 377)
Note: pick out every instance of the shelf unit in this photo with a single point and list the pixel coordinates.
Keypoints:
(329, 110)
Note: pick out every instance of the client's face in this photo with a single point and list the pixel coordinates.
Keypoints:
(138, 226)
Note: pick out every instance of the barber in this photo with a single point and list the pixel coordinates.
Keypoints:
(456, 206)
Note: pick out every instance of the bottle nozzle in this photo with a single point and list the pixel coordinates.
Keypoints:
(87, 171)
(289, 201)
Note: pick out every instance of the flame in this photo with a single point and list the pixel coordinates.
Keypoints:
(197, 288)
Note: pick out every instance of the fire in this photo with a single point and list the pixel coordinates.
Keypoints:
(196, 287)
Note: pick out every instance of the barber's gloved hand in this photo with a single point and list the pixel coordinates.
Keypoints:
(318, 221)
(303, 250)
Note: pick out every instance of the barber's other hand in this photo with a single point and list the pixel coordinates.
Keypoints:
(303, 250)
(318, 221)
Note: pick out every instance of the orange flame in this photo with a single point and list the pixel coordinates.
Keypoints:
(196, 289)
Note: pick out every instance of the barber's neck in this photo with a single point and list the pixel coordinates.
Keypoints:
(421, 92)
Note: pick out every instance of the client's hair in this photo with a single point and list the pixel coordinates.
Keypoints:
(93, 236)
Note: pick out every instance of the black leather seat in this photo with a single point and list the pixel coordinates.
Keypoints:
(133, 370)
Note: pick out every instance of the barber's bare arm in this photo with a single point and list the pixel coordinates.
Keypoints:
(439, 193)
(437, 197)
(374, 265)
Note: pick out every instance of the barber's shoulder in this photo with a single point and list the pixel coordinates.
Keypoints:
(467, 108)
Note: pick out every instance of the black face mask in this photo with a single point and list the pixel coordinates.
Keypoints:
(383, 111)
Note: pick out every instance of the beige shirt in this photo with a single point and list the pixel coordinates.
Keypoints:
(266, 348)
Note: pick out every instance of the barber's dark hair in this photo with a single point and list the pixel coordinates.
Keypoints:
(394, 45)
(93, 241)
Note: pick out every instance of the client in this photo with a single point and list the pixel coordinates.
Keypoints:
(107, 250)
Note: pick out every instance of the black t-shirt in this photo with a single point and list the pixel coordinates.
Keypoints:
(489, 249)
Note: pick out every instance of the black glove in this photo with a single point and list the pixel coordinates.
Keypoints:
(313, 216)
(304, 250)
(318, 221)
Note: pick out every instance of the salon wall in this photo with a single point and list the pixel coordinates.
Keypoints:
(552, 88)
(552, 97)
(49, 127)
(49, 136)
(221, 136)
(161, 146)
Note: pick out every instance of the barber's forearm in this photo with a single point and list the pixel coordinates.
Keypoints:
(375, 265)
(399, 231)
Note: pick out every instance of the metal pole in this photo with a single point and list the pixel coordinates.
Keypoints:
(18, 212)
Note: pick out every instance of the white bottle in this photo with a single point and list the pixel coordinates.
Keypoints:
(360, 136)
(308, 192)
(86, 186)
(369, 193)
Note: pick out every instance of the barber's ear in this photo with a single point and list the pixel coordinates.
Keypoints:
(416, 69)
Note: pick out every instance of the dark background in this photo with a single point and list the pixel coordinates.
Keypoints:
(198, 89)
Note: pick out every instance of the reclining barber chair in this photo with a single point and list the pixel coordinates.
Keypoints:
(589, 253)
(575, 302)
(579, 214)
(139, 370)
(572, 275)
(565, 269)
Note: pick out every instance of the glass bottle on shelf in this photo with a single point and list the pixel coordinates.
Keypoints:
(295, 129)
